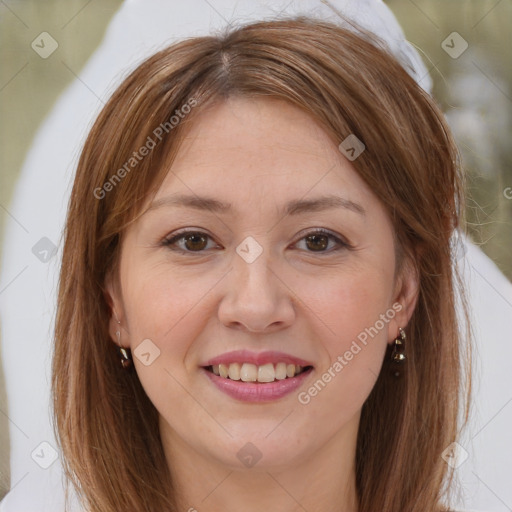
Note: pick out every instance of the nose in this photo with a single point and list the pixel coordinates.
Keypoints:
(256, 299)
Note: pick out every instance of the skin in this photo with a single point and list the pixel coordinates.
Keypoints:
(258, 154)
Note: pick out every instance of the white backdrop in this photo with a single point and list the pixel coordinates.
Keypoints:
(30, 263)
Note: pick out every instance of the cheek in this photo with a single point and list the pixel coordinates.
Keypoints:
(348, 302)
(168, 309)
(160, 302)
(352, 312)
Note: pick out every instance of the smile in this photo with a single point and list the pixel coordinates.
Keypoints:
(256, 377)
(248, 372)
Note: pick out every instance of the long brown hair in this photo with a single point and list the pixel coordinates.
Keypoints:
(106, 425)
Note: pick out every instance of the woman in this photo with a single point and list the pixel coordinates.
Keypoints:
(261, 222)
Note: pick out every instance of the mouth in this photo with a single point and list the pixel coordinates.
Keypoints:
(250, 377)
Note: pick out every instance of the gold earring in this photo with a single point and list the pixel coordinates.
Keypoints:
(398, 355)
(124, 353)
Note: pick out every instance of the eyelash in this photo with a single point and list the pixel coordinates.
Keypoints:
(168, 242)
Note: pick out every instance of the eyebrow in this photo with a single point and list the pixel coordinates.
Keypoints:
(294, 207)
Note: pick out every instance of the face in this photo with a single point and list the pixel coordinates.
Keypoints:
(288, 267)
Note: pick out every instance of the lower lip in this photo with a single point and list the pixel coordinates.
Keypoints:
(257, 392)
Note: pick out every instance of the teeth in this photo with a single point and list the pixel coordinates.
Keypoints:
(281, 371)
(248, 372)
(266, 373)
(234, 371)
(223, 370)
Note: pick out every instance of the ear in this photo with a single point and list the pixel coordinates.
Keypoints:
(113, 299)
(405, 298)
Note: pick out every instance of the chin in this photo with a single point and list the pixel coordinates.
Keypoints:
(260, 449)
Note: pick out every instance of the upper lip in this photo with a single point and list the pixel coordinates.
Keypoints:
(257, 358)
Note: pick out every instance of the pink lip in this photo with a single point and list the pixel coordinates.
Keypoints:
(254, 391)
(261, 358)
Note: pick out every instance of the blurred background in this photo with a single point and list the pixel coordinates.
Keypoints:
(466, 45)
(474, 89)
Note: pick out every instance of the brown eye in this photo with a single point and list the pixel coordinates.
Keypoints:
(195, 241)
(190, 241)
(322, 241)
(317, 242)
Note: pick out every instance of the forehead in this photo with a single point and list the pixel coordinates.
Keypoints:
(248, 150)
